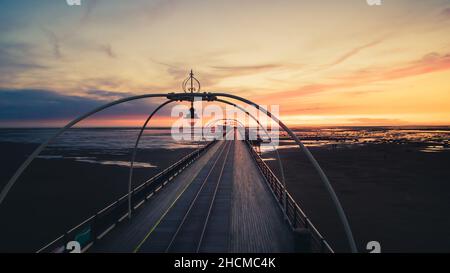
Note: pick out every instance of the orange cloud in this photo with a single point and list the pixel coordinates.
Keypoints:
(432, 62)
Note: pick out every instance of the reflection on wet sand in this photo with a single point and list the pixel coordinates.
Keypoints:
(435, 139)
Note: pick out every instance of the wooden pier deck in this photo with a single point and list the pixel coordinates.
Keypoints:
(221, 203)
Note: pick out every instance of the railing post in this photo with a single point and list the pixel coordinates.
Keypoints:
(294, 221)
(285, 202)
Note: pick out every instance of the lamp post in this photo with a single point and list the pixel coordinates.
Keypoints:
(191, 85)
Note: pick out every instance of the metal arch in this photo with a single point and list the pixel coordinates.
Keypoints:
(259, 124)
(170, 101)
(316, 165)
(133, 157)
(183, 96)
(246, 112)
(41, 147)
(209, 124)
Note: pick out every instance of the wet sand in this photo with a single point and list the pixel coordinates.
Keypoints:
(392, 193)
(54, 195)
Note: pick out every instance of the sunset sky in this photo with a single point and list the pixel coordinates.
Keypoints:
(324, 62)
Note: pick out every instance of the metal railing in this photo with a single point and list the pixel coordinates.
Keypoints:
(98, 225)
(295, 215)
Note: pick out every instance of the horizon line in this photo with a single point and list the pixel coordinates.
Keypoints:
(168, 127)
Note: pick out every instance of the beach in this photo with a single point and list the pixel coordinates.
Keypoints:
(395, 194)
(70, 183)
(394, 187)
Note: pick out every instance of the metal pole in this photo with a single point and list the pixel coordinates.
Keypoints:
(133, 157)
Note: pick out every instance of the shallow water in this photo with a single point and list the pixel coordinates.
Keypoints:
(435, 139)
(96, 138)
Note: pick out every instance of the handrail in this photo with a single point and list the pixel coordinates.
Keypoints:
(295, 215)
(100, 223)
